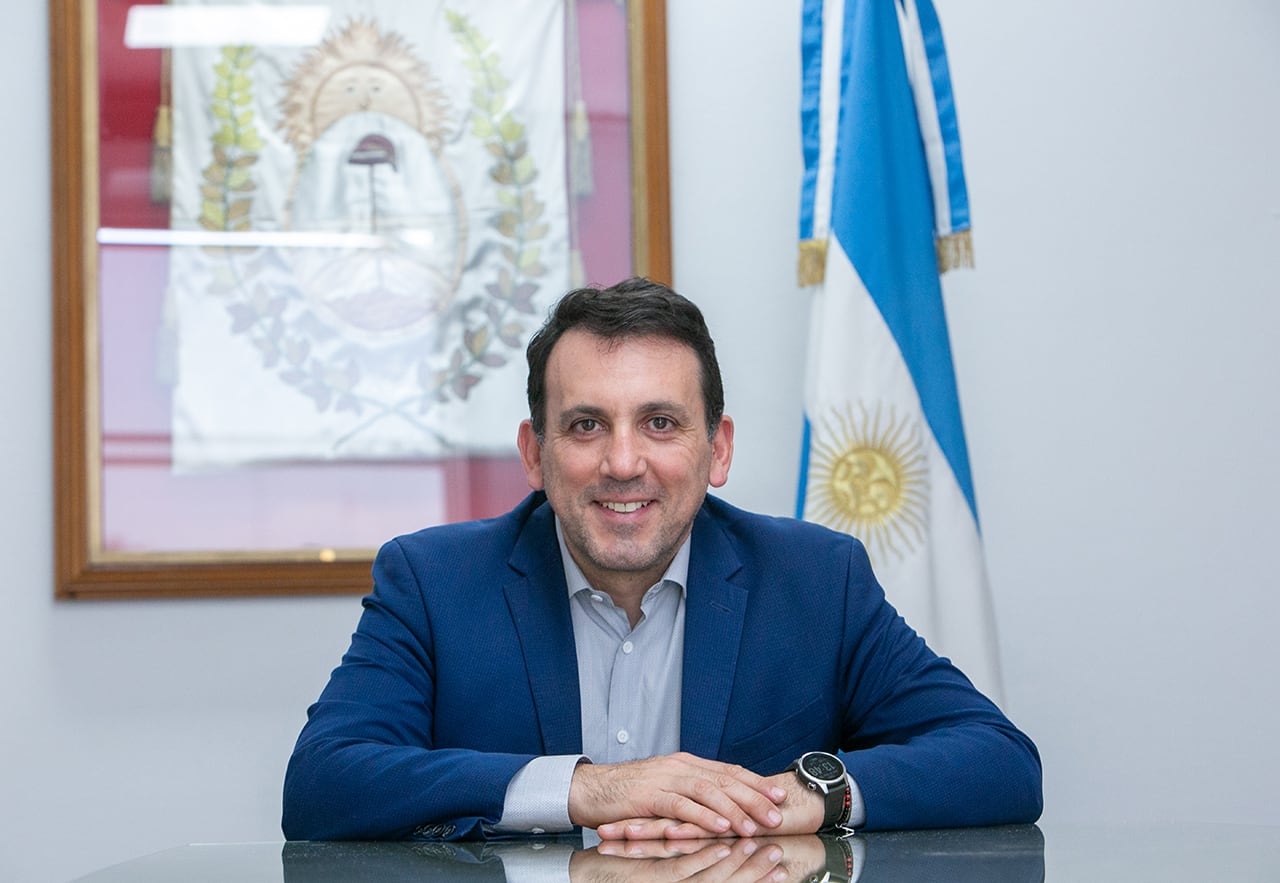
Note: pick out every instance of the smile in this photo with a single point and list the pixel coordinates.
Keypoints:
(624, 507)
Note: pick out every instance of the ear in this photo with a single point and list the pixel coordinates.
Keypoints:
(530, 454)
(721, 453)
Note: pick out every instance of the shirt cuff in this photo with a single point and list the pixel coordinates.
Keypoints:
(857, 807)
(537, 799)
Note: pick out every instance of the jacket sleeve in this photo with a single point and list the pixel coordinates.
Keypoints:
(365, 765)
(925, 747)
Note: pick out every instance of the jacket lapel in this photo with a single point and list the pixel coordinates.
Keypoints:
(714, 614)
(539, 603)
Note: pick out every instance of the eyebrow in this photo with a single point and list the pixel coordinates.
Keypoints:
(576, 412)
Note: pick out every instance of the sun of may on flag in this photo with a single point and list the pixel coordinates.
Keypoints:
(884, 211)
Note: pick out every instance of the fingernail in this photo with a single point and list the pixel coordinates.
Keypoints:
(609, 830)
(749, 827)
(774, 854)
(775, 817)
(748, 847)
(635, 829)
(723, 852)
(778, 874)
(778, 794)
(722, 824)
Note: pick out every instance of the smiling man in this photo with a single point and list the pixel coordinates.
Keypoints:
(624, 652)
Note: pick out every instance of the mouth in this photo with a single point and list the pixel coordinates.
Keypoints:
(624, 508)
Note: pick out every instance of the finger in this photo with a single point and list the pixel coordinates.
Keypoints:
(658, 848)
(687, 831)
(634, 829)
(746, 809)
(652, 829)
(762, 784)
(704, 804)
(761, 807)
(743, 794)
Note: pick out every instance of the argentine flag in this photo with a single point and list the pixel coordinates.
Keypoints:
(883, 210)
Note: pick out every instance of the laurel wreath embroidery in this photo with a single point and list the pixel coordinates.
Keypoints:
(493, 323)
(520, 222)
(228, 186)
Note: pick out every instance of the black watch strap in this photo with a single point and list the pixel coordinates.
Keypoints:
(839, 802)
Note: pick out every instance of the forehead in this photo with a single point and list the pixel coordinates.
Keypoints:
(582, 363)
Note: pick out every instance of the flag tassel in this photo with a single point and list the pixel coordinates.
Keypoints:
(955, 250)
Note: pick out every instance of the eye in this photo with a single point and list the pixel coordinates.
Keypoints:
(586, 424)
(662, 424)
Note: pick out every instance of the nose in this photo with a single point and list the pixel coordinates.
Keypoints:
(624, 457)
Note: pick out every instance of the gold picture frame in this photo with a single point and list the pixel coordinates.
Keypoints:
(96, 95)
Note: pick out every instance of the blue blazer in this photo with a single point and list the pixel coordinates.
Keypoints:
(463, 668)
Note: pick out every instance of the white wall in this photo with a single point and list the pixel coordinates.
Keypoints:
(1116, 351)
(1116, 357)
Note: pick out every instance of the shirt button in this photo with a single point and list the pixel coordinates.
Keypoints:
(623, 737)
(537, 831)
(597, 598)
(627, 646)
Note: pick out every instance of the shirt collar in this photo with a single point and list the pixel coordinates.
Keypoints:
(677, 571)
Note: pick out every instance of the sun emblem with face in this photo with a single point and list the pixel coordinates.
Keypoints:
(868, 477)
(361, 69)
(367, 121)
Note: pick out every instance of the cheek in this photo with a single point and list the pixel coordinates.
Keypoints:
(568, 469)
(683, 472)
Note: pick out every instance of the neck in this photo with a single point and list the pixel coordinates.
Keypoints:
(627, 591)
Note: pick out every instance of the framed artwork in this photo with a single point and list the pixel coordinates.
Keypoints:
(298, 251)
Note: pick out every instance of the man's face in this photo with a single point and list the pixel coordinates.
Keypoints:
(625, 460)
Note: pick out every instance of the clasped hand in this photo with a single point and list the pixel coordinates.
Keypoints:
(682, 796)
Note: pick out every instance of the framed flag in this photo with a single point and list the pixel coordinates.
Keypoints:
(298, 251)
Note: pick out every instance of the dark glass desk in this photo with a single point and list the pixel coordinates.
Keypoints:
(991, 855)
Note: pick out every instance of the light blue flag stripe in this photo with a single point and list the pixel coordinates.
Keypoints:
(806, 442)
(882, 215)
(810, 109)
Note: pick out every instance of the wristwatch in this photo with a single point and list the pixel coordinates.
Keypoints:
(825, 773)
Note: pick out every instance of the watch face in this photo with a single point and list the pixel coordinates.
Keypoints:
(823, 767)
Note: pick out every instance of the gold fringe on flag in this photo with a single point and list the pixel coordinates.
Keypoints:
(955, 250)
(811, 268)
(162, 156)
(161, 177)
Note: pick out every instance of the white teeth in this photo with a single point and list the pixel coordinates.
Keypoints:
(624, 507)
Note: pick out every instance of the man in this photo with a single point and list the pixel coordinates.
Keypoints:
(625, 653)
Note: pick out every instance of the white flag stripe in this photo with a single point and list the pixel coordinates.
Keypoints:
(926, 112)
(830, 109)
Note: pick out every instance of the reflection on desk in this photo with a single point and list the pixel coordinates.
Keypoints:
(978, 854)
(991, 855)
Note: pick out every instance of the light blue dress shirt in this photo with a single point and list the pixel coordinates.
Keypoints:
(629, 682)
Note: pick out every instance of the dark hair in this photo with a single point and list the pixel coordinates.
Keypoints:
(635, 307)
